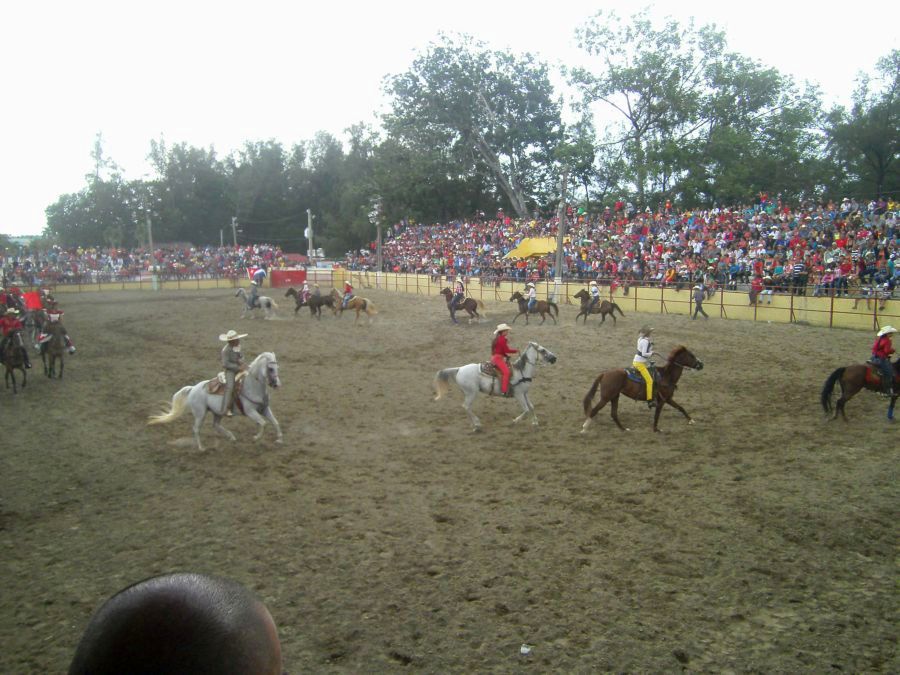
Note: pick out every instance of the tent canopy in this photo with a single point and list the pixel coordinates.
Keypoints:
(532, 246)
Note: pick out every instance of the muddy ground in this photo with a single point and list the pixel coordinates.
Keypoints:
(385, 536)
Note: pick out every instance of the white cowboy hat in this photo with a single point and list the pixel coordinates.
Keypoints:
(231, 335)
(887, 330)
(593, 283)
(696, 288)
(502, 327)
(530, 284)
(13, 310)
(253, 283)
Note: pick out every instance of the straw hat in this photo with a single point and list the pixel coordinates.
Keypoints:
(646, 330)
(593, 283)
(529, 284)
(887, 330)
(502, 327)
(231, 335)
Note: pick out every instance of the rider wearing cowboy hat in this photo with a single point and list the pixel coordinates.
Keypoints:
(642, 358)
(232, 364)
(531, 294)
(881, 357)
(595, 295)
(500, 351)
(253, 298)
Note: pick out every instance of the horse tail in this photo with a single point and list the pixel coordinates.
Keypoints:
(176, 409)
(589, 397)
(442, 381)
(553, 306)
(479, 304)
(615, 306)
(829, 387)
(369, 307)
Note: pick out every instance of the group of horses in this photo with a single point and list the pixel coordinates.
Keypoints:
(544, 308)
(315, 302)
(52, 351)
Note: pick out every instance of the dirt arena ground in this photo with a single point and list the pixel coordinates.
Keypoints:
(385, 536)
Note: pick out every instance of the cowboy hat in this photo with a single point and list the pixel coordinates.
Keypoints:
(253, 283)
(646, 330)
(887, 330)
(593, 283)
(231, 335)
(502, 327)
(530, 284)
(696, 288)
(12, 310)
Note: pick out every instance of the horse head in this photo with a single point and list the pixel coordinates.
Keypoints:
(265, 368)
(582, 294)
(291, 291)
(517, 296)
(538, 351)
(240, 292)
(683, 357)
(446, 292)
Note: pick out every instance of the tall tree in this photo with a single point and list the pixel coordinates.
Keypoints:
(481, 110)
(864, 142)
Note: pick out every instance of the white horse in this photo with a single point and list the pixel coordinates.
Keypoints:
(266, 303)
(471, 380)
(254, 397)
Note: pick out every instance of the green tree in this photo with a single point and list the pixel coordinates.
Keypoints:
(864, 142)
(481, 111)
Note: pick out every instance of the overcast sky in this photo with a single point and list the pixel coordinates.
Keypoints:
(222, 73)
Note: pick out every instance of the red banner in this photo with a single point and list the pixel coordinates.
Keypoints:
(285, 278)
(33, 300)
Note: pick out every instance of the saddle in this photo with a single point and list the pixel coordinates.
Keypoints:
(489, 369)
(634, 374)
(217, 384)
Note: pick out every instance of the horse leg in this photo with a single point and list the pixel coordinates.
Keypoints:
(677, 407)
(198, 421)
(467, 405)
(543, 319)
(526, 408)
(250, 412)
(279, 437)
(614, 412)
(62, 364)
(217, 425)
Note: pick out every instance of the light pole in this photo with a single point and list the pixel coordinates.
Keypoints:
(234, 229)
(309, 234)
(375, 219)
(561, 233)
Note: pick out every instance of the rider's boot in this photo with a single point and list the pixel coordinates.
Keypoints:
(70, 345)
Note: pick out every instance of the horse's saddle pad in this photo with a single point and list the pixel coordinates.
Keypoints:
(633, 374)
(489, 369)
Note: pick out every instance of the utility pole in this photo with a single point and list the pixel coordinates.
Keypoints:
(221, 238)
(309, 234)
(150, 233)
(561, 233)
(234, 229)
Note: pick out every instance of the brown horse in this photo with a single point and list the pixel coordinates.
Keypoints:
(543, 307)
(357, 303)
(54, 349)
(14, 359)
(602, 308)
(853, 379)
(613, 383)
(180, 623)
(470, 305)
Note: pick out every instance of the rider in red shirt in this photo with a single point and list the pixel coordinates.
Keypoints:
(500, 350)
(881, 357)
(12, 330)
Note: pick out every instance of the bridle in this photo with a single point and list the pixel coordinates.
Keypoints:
(697, 366)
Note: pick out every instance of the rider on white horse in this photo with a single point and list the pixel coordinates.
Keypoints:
(232, 364)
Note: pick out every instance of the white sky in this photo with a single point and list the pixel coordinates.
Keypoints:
(219, 73)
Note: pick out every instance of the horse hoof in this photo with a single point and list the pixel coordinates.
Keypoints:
(690, 421)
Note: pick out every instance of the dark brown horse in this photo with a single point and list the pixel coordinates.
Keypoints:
(357, 303)
(543, 307)
(613, 383)
(602, 308)
(54, 349)
(853, 379)
(13, 360)
(469, 305)
(180, 623)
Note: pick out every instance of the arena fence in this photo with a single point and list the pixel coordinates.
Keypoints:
(829, 310)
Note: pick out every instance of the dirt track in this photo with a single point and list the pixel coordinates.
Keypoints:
(385, 536)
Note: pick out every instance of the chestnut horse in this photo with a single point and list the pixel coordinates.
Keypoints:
(470, 305)
(613, 383)
(602, 308)
(543, 307)
(357, 303)
(853, 379)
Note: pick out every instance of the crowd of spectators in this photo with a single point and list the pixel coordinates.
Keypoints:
(171, 261)
(807, 247)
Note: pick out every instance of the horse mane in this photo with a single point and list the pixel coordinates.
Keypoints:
(520, 362)
(670, 360)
